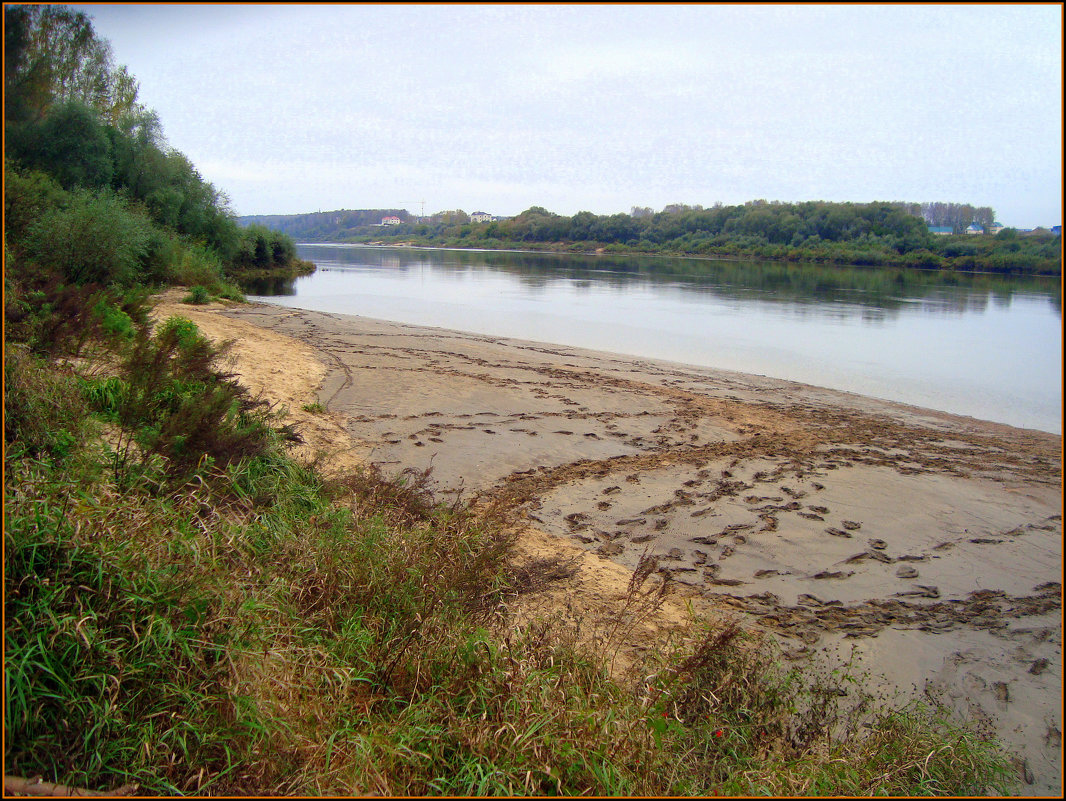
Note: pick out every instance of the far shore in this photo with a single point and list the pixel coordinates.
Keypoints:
(922, 549)
(563, 249)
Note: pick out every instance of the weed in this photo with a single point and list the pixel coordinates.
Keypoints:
(197, 295)
(42, 412)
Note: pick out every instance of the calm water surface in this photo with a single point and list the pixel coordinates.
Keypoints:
(984, 346)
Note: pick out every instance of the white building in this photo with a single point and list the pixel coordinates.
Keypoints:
(480, 216)
(391, 221)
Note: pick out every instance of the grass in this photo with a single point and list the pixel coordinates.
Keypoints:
(249, 627)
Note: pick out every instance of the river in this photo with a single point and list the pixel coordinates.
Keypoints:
(985, 346)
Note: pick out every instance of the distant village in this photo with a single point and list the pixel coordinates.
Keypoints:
(476, 217)
(992, 230)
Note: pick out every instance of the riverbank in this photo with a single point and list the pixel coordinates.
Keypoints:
(565, 249)
(924, 547)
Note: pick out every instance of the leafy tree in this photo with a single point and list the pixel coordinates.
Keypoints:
(455, 217)
(69, 143)
(984, 216)
(53, 56)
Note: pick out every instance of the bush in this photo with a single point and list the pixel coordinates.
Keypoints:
(198, 295)
(27, 197)
(171, 401)
(71, 144)
(55, 318)
(196, 264)
(43, 410)
(96, 239)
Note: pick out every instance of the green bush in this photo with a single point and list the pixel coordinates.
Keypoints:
(56, 318)
(196, 264)
(27, 197)
(71, 144)
(172, 401)
(198, 295)
(95, 239)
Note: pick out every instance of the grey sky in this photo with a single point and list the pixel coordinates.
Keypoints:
(296, 108)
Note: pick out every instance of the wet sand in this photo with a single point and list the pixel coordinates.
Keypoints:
(924, 548)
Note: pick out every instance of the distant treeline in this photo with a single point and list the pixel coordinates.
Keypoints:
(874, 234)
(325, 226)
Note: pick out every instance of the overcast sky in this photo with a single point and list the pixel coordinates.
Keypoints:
(297, 108)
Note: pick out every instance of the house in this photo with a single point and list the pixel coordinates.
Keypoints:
(391, 221)
(974, 228)
(994, 228)
(480, 216)
(940, 230)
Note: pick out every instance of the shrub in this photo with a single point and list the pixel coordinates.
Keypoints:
(198, 295)
(27, 197)
(57, 318)
(43, 410)
(196, 264)
(71, 144)
(172, 401)
(227, 291)
(95, 239)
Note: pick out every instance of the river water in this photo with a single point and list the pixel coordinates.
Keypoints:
(984, 346)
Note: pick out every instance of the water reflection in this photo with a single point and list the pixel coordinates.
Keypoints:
(268, 287)
(985, 345)
(772, 282)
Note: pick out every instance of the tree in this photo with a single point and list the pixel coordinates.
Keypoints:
(69, 144)
(676, 208)
(52, 55)
(456, 217)
(984, 216)
(581, 225)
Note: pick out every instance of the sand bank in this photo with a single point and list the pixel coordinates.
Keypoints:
(923, 547)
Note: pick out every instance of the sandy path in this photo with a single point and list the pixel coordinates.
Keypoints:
(924, 547)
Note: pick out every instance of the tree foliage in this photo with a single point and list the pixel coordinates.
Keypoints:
(881, 233)
(69, 143)
(95, 193)
(53, 56)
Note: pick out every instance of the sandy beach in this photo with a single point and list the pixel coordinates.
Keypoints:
(922, 548)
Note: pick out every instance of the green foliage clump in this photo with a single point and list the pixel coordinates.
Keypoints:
(43, 412)
(27, 196)
(109, 680)
(70, 143)
(197, 296)
(261, 251)
(93, 189)
(55, 318)
(172, 402)
(94, 239)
